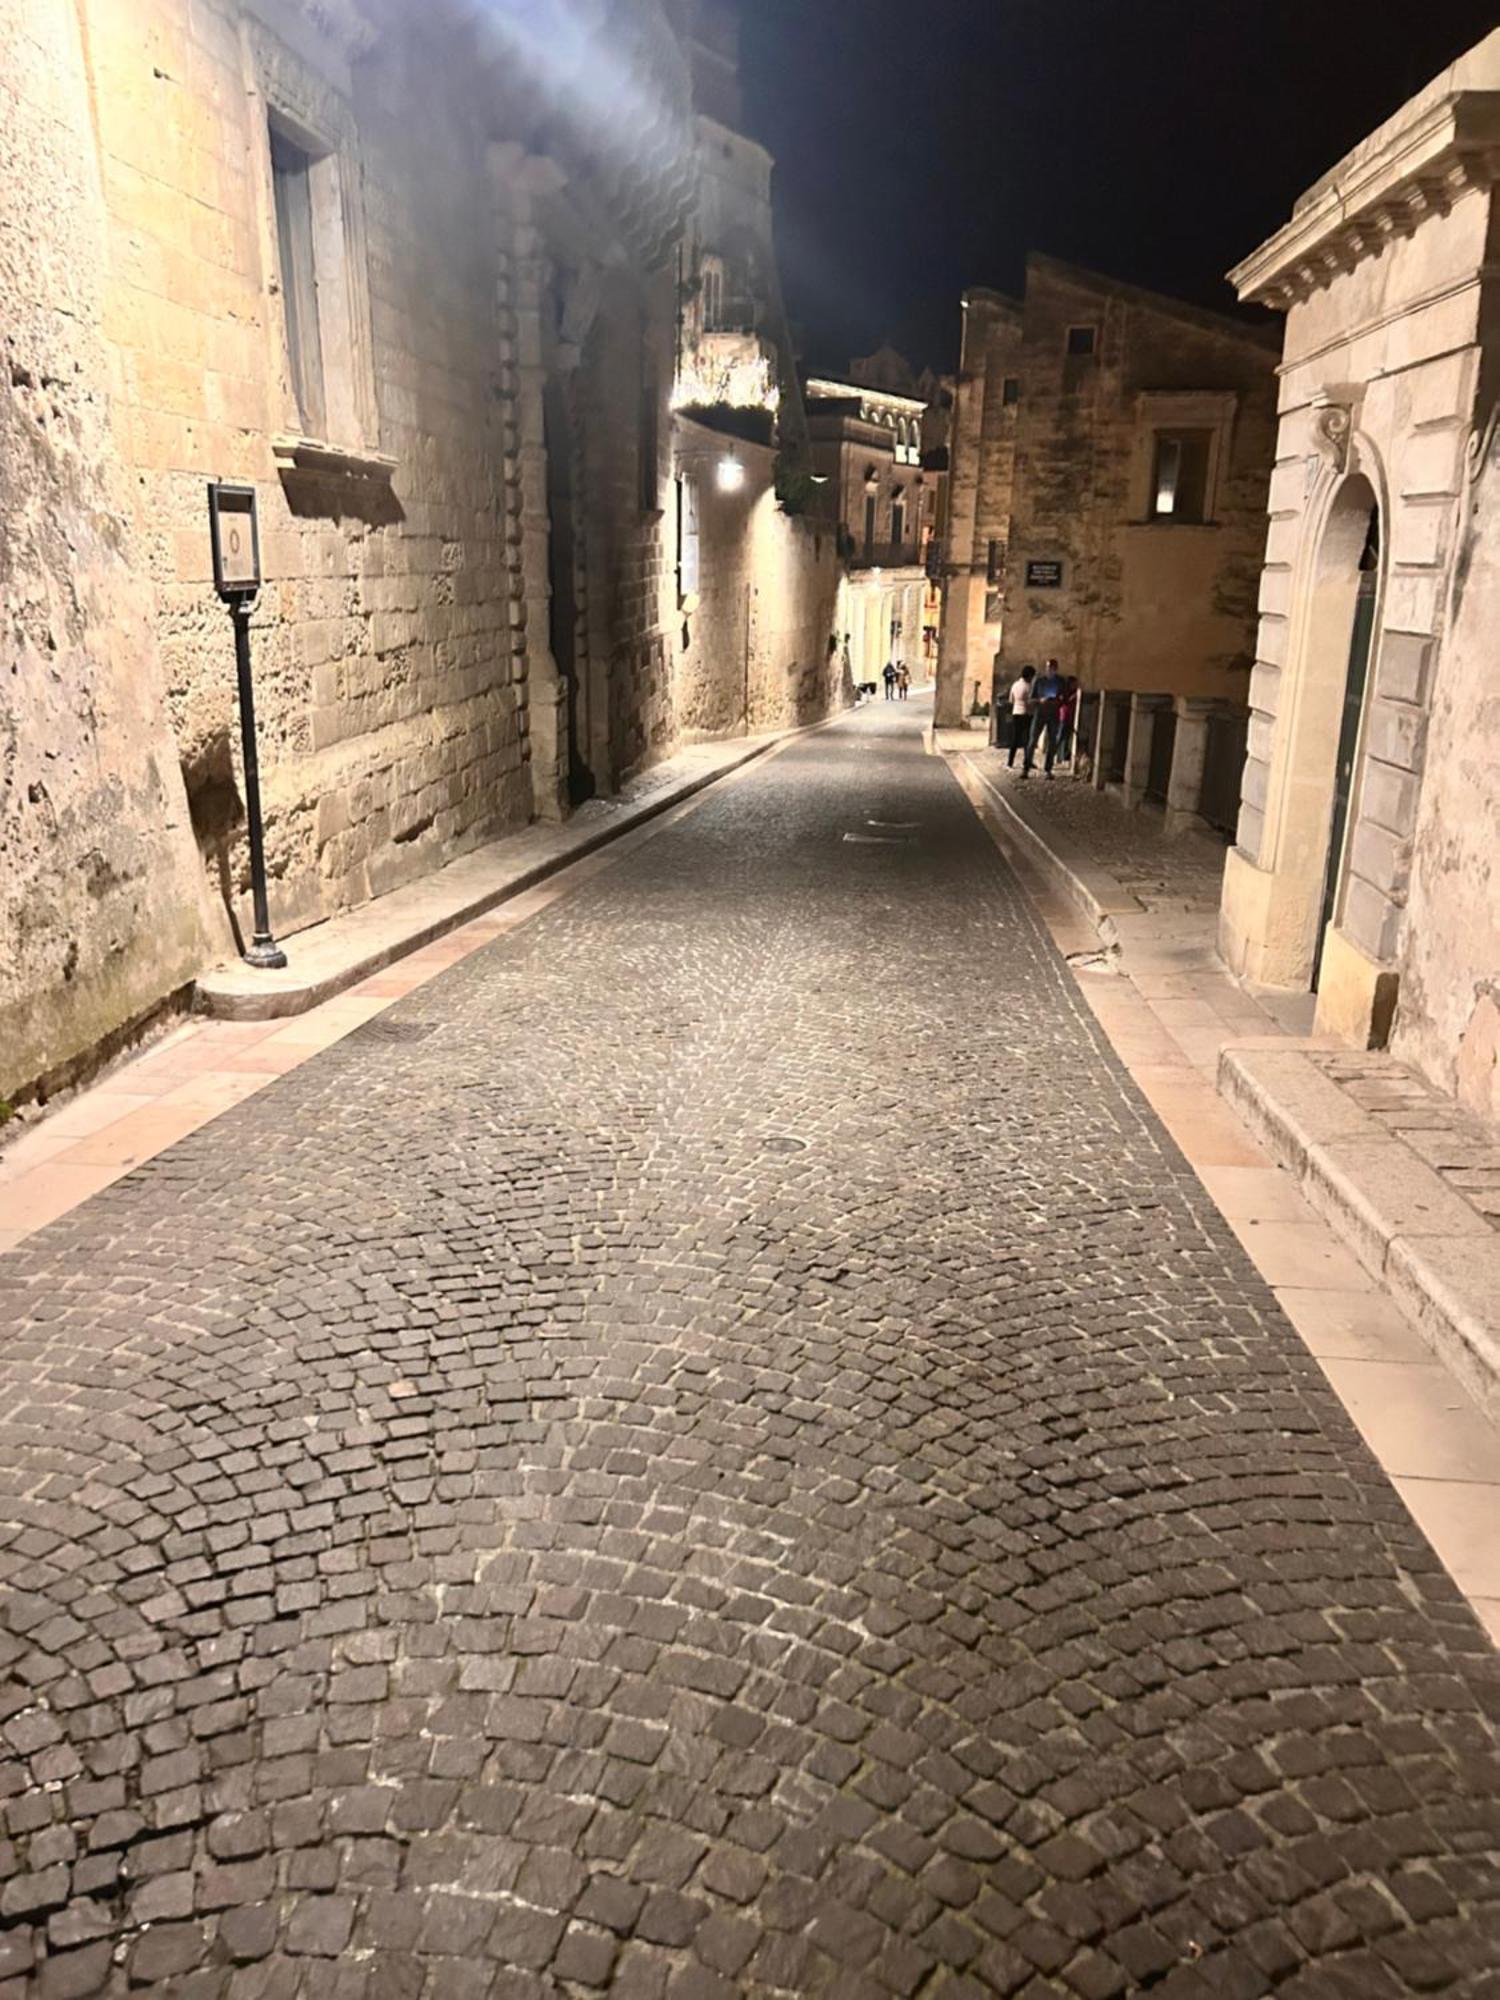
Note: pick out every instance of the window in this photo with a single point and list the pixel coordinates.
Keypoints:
(713, 294)
(898, 520)
(310, 225)
(994, 571)
(1179, 476)
(1010, 390)
(291, 176)
(1080, 341)
(869, 523)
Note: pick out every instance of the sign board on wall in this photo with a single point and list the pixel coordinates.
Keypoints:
(234, 538)
(1044, 575)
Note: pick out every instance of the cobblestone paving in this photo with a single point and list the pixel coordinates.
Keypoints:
(672, 1464)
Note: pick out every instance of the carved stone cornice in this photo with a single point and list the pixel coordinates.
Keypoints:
(1418, 165)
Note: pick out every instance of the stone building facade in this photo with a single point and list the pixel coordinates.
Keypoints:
(981, 469)
(1367, 863)
(1143, 447)
(408, 274)
(882, 505)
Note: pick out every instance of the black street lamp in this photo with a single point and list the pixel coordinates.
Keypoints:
(236, 548)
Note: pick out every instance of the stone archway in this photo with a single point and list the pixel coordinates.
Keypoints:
(1334, 633)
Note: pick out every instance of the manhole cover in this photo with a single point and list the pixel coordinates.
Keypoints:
(783, 1142)
(382, 1030)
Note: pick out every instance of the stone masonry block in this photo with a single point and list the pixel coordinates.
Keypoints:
(1405, 660)
(1371, 919)
(1418, 531)
(1429, 461)
(1394, 734)
(1275, 592)
(1251, 831)
(1381, 858)
(1265, 688)
(1389, 798)
(1412, 599)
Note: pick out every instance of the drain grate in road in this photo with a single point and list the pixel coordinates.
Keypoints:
(382, 1030)
(879, 839)
(782, 1142)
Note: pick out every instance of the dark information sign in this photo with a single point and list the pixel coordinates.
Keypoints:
(235, 539)
(1045, 575)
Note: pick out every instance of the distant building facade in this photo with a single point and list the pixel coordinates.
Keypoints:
(866, 452)
(402, 272)
(981, 476)
(1143, 438)
(1367, 861)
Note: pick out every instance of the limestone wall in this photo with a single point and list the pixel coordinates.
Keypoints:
(980, 494)
(390, 692)
(1448, 1009)
(465, 283)
(100, 903)
(751, 652)
(1147, 605)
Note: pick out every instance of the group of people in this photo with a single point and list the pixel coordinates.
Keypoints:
(1043, 710)
(897, 680)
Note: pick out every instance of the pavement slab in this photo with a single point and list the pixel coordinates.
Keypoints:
(719, 1446)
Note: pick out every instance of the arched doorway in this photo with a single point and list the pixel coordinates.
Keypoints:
(1320, 728)
(1351, 719)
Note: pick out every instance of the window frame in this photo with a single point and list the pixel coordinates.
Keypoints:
(1168, 412)
(297, 266)
(309, 114)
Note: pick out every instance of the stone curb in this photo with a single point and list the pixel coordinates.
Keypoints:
(1438, 1258)
(368, 939)
(1097, 895)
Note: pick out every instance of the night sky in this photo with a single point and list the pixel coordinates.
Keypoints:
(926, 145)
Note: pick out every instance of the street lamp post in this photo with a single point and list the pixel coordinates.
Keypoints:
(236, 550)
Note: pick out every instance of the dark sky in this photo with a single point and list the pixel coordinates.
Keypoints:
(925, 145)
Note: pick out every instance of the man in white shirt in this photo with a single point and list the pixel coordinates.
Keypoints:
(1020, 720)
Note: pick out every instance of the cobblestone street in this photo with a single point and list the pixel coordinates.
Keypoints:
(673, 1462)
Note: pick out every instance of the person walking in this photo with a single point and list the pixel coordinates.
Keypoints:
(903, 680)
(1020, 720)
(1067, 720)
(1045, 699)
(890, 680)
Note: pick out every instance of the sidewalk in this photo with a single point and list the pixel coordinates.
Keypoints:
(1367, 1202)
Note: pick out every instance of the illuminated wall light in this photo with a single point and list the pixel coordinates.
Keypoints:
(731, 474)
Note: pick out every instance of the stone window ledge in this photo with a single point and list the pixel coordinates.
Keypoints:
(302, 454)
